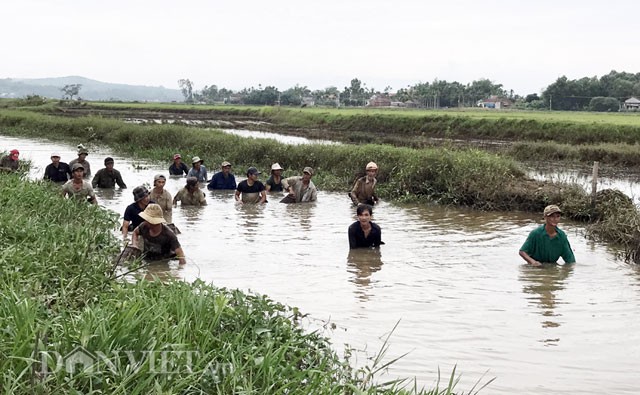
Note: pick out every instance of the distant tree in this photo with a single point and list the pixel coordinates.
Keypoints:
(186, 86)
(604, 104)
(531, 97)
(71, 90)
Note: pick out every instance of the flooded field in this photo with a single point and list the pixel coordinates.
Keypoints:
(450, 278)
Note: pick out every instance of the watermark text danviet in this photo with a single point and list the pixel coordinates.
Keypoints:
(95, 362)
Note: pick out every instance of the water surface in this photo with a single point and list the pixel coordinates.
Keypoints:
(450, 278)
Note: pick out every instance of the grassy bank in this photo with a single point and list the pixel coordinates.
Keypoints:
(563, 127)
(59, 292)
(463, 177)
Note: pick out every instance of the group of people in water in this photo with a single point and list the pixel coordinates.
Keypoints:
(149, 217)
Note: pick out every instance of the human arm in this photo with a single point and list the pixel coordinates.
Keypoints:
(263, 196)
(529, 259)
(354, 192)
(119, 180)
(567, 254)
(134, 236)
(185, 169)
(91, 195)
(352, 236)
(314, 194)
(203, 199)
(96, 178)
(125, 228)
(180, 255)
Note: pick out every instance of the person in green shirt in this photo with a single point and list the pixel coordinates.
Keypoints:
(547, 243)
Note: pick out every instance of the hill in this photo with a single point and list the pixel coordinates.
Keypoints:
(91, 89)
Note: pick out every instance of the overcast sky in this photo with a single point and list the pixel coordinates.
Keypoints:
(236, 44)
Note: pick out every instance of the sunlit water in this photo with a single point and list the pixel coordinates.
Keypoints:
(450, 278)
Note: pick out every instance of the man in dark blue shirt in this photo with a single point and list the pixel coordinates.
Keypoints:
(223, 179)
(57, 171)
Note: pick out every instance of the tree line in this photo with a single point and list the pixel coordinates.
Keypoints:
(585, 94)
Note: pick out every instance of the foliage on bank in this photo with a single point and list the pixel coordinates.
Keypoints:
(462, 177)
(61, 299)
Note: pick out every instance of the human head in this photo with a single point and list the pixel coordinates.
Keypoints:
(108, 162)
(82, 152)
(552, 215)
(192, 182)
(153, 214)
(14, 154)
(364, 207)
(364, 212)
(371, 169)
(78, 170)
(307, 173)
(177, 158)
(196, 161)
(140, 193)
(55, 157)
(252, 171)
(226, 167)
(159, 179)
(276, 169)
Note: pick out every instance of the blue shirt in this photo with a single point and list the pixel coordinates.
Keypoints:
(200, 175)
(218, 181)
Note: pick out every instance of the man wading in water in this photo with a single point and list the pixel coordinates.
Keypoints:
(547, 243)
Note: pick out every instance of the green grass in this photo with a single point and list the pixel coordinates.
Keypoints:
(59, 292)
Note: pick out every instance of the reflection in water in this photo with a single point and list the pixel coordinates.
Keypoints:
(543, 284)
(302, 213)
(363, 262)
(249, 218)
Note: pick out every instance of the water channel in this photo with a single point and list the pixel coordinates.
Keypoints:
(451, 278)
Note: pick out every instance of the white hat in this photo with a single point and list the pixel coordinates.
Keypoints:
(276, 166)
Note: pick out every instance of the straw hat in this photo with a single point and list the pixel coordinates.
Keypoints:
(276, 166)
(153, 214)
(197, 159)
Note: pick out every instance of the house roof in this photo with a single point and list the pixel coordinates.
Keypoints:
(632, 100)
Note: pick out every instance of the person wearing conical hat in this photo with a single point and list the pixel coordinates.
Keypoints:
(364, 189)
(159, 241)
(82, 159)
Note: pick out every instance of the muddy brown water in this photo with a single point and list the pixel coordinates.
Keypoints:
(450, 278)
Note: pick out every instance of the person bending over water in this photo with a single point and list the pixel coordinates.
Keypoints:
(363, 233)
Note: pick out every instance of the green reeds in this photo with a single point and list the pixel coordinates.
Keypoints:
(465, 177)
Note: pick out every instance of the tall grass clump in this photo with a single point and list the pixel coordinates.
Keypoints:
(61, 299)
(466, 177)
